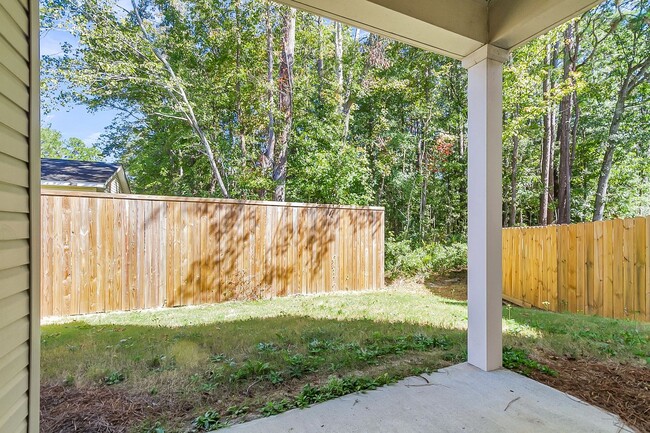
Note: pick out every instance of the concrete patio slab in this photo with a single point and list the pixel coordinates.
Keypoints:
(460, 398)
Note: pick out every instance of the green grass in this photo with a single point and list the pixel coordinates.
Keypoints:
(229, 362)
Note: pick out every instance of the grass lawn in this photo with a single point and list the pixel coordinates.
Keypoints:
(199, 368)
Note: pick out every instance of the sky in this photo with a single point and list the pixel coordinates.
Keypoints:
(72, 121)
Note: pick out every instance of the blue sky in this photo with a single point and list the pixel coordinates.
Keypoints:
(72, 121)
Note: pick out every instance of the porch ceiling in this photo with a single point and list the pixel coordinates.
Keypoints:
(454, 28)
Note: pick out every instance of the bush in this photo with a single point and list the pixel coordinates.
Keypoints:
(446, 258)
(403, 259)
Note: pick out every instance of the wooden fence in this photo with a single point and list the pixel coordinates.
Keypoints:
(123, 252)
(600, 268)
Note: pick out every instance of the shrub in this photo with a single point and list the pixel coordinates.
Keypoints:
(446, 258)
(403, 259)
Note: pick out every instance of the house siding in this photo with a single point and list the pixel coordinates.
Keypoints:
(114, 186)
(19, 210)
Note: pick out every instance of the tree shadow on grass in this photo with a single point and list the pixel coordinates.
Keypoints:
(173, 374)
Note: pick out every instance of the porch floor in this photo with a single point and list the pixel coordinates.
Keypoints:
(458, 398)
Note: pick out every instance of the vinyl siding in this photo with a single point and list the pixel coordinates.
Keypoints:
(18, 159)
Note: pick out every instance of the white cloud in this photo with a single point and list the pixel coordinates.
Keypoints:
(92, 139)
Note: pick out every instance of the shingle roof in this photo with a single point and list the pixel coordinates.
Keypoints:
(73, 172)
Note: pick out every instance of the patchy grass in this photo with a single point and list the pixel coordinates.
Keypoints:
(200, 368)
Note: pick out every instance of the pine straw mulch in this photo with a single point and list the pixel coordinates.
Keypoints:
(67, 409)
(618, 388)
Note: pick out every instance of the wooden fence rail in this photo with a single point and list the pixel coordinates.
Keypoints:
(123, 252)
(600, 268)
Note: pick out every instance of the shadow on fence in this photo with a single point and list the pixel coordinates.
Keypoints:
(106, 252)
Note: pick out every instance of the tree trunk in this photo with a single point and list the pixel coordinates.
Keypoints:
(238, 55)
(346, 108)
(269, 150)
(513, 180)
(338, 52)
(177, 91)
(320, 62)
(286, 101)
(423, 202)
(547, 143)
(608, 158)
(564, 129)
(636, 74)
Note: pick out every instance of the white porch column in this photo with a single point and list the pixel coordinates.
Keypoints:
(484, 92)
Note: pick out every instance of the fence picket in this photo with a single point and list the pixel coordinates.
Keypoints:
(104, 252)
(600, 268)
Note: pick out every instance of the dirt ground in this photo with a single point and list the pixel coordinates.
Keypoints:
(452, 286)
(617, 388)
(66, 409)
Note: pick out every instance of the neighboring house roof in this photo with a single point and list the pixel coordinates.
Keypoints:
(69, 172)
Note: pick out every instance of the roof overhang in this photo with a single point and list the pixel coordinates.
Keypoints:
(454, 28)
(73, 184)
(123, 181)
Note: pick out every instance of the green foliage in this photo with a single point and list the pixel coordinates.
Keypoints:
(252, 369)
(114, 377)
(54, 146)
(518, 360)
(276, 407)
(394, 135)
(403, 259)
(208, 421)
(336, 387)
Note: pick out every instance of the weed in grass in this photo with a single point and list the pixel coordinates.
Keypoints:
(69, 380)
(275, 377)
(207, 422)
(207, 387)
(114, 377)
(383, 346)
(337, 387)
(317, 346)
(214, 375)
(156, 363)
(251, 369)
(221, 357)
(236, 411)
(518, 360)
(267, 347)
(300, 365)
(276, 407)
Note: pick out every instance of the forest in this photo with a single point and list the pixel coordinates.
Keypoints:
(249, 99)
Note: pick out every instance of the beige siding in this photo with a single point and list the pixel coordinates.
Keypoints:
(113, 186)
(18, 162)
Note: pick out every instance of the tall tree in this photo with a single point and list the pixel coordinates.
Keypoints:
(286, 101)
(545, 210)
(630, 66)
(565, 128)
